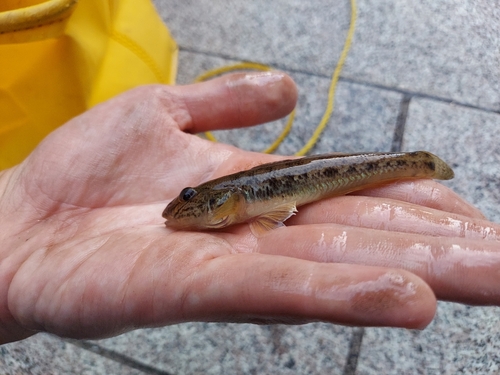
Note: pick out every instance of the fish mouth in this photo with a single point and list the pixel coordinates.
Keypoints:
(178, 225)
(175, 224)
(166, 214)
(170, 223)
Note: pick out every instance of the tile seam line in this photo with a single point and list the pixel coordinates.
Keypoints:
(399, 129)
(116, 357)
(354, 352)
(414, 94)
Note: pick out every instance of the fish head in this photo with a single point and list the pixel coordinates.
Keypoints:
(203, 208)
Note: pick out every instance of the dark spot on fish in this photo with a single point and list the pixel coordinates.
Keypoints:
(431, 165)
(330, 172)
(401, 163)
(352, 169)
(211, 203)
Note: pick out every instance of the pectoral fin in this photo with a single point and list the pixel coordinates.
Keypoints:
(229, 208)
(272, 219)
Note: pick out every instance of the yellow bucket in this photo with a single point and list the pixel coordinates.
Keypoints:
(61, 57)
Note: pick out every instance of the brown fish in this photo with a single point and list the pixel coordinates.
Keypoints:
(269, 194)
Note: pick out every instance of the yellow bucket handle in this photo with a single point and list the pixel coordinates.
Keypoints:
(35, 22)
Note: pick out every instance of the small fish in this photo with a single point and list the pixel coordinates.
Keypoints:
(267, 195)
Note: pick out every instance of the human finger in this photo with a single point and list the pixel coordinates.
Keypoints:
(235, 100)
(427, 193)
(457, 269)
(270, 289)
(393, 215)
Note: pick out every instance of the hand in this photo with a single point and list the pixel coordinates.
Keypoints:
(85, 252)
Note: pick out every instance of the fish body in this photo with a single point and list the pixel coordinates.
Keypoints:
(269, 194)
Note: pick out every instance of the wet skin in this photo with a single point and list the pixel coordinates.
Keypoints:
(85, 252)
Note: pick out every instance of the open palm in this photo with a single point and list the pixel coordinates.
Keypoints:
(85, 252)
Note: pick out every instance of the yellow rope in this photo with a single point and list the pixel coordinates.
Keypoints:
(331, 92)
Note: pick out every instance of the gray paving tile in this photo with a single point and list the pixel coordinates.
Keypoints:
(364, 118)
(461, 339)
(210, 348)
(44, 354)
(304, 35)
(443, 48)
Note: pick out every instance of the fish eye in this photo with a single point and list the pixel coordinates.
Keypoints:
(187, 193)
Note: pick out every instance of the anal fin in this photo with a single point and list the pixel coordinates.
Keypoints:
(272, 219)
